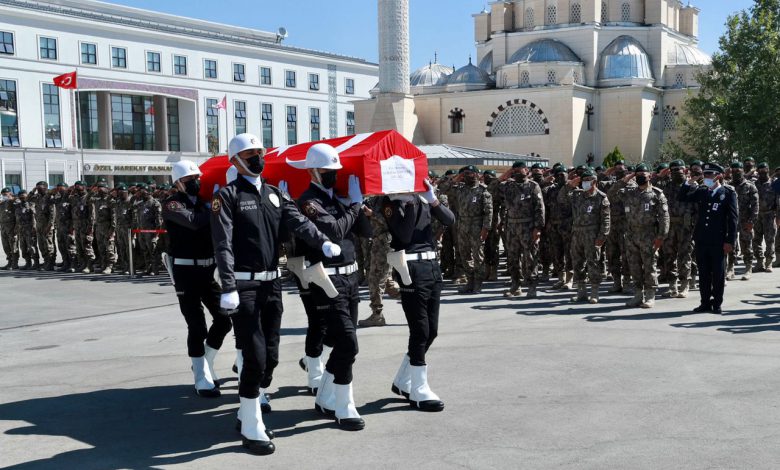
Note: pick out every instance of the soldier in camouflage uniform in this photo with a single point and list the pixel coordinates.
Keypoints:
(747, 197)
(766, 227)
(474, 207)
(678, 246)
(105, 229)
(25, 226)
(124, 223)
(66, 240)
(647, 224)
(537, 175)
(44, 224)
(590, 227)
(148, 217)
(559, 228)
(448, 241)
(524, 225)
(8, 231)
(83, 226)
(490, 180)
(617, 259)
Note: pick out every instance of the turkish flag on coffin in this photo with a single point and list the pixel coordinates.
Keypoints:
(385, 162)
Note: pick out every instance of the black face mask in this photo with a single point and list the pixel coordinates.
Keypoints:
(255, 164)
(470, 180)
(328, 179)
(763, 176)
(737, 177)
(641, 180)
(677, 176)
(697, 174)
(620, 174)
(192, 187)
(537, 177)
(560, 179)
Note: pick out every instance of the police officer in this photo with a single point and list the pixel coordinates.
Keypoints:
(249, 219)
(409, 218)
(715, 233)
(191, 261)
(8, 231)
(341, 223)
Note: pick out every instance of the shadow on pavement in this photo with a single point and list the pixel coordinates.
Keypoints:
(766, 320)
(161, 280)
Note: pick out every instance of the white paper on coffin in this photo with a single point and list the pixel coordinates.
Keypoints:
(397, 175)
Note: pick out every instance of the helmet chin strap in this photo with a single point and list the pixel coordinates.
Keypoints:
(243, 165)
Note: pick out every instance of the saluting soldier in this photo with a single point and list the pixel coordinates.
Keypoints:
(616, 251)
(766, 227)
(105, 228)
(490, 179)
(83, 226)
(124, 223)
(8, 232)
(66, 241)
(747, 198)
(558, 228)
(45, 213)
(678, 246)
(149, 218)
(25, 225)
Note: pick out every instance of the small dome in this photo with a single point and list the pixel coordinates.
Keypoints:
(469, 75)
(683, 54)
(625, 58)
(544, 50)
(430, 75)
(486, 63)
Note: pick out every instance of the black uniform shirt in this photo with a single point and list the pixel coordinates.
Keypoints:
(188, 227)
(718, 214)
(248, 228)
(409, 221)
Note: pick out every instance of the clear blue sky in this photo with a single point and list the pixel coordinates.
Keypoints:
(349, 26)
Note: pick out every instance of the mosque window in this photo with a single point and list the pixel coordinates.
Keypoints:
(456, 121)
(625, 12)
(519, 120)
(552, 77)
(529, 18)
(670, 118)
(604, 12)
(679, 81)
(576, 13)
(525, 79)
(552, 14)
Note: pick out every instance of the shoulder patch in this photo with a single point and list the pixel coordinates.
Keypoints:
(309, 209)
(388, 211)
(216, 205)
(174, 206)
(274, 200)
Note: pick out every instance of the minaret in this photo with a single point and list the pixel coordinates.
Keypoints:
(394, 107)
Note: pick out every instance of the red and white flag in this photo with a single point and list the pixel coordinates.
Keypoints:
(68, 81)
(222, 104)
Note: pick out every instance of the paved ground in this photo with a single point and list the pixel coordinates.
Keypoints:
(95, 375)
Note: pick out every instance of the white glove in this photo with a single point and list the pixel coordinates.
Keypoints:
(330, 249)
(229, 301)
(354, 190)
(430, 196)
(283, 187)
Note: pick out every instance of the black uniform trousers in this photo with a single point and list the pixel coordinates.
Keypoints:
(711, 261)
(420, 302)
(341, 315)
(196, 287)
(256, 325)
(317, 330)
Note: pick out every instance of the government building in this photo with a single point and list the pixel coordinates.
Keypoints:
(566, 80)
(151, 90)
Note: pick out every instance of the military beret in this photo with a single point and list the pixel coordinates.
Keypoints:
(449, 172)
(6, 190)
(79, 183)
(537, 166)
(629, 168)
(641, 167)
(41, 183)
(151, 182)
(750, 159)
(559, 169)
(559, 164)
(469, 168)
(736, 165)
(432, 174)
(141, 186)
(582, 167)
(22, 191)
(697, 162)
(712, 168)
(619, 162)
(62, 185)
(520, 164)
(600, 168)
(587, 174)
(677, 164)
(662, 166)
(121, 187)
(489, 173)
(763, 165)
(102, 184)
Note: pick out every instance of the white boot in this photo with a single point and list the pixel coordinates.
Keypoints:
(211, 353)
(253, 431)
(347, 416)
(314, 369)
(204, 384)
(403, 379)
(421, 396)
(325, 402)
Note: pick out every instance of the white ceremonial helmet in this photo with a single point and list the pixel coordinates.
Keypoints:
(184, 168)
(243, 142)
(323, 156)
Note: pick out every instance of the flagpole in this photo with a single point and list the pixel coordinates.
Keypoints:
(80, 137)
(227, 137)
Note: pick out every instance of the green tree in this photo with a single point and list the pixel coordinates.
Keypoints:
(737, 110)
(670, 151)
(612, 157)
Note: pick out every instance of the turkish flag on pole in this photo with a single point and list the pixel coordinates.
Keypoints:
(222, 104)
(68, 81)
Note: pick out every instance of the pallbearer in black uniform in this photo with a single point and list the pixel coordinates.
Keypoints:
(418, 273)
(715, 233)
(341, 222)
(191, 263)
(249, 221)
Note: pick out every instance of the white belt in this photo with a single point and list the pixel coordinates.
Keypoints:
(261, 276)
(349, 269)
(193, 262)
(426, 255)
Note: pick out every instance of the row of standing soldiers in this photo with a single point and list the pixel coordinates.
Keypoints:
(94, 228)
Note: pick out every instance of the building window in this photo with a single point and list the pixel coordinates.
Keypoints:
(576, 13)
(350, 123)
(48, 48)
(519, 120)
(604, 12)
(670, 118)
(529, 18)
(212, 126)
(209, 68)
(55, 179)
(239, 73)
(153, 62)
(292, 125)
(314, 82)
(314, 124)
(179, 65)
(132, 122)
(88, 54)
(268, 125)
(119, 57)
(552, 14)
(239, 113)
(525, 79)
(9, 121)
(174, 137)
(456, 121)
(679, 81)
(625, 12)
(265, 75)
(350, 86)
(6, 43)
(88, 119)
(289, 78)
(552, 77)
(51, 116)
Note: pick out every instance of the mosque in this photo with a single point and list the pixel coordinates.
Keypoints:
(567, 80)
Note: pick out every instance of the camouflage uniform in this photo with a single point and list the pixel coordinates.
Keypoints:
(124, 223)
(617, 254)
(678, 245)
(747, 200)
(647, 219)
(379, 275)
(450, 262)
(66, 241)
(45, 213)
(25, 226)
(105, 231)
(493, 239)
(9, 233)
(559, 233)
(766, 228)
(83, 225)
(149, 217)
(525, 213)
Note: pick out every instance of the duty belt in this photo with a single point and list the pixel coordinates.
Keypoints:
(263, 276)
(425, 255)
(193, 262)
(348, 269)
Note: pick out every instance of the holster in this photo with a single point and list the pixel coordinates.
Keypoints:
(397, 260)
(314, 274)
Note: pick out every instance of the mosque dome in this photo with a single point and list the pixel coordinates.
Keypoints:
(544, 50)
(486, 63)
(625, 59)
(470, 75)
(683, 54)
(430, 75)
